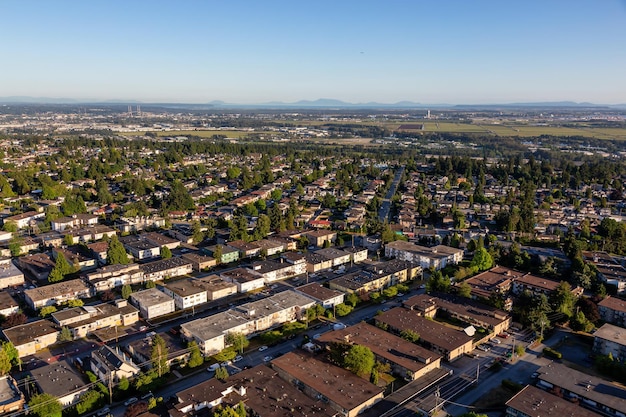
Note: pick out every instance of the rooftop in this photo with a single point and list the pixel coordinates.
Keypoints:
(26, 333)
(611, 333)
(535, 402)
(318, 291)
(163, 265)
(50, 291)
(58, 379)
(150, 297)
(613, 303)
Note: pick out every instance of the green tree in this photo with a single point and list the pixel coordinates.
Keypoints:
(45, 405)
(45, 311)
(237, 340)
(158, 356)
(562, 300)
(197, 233)
(221, 373)
(5, 363)
(65, 335)
(217, 254)
(9, 226)
(150, 284)
(116, 254)
(410, 335)
(195, 356)
(166, 253)
(89, 401)
(127, 290)
(123, 384)
(464, 290)
(61, 268)
(352, 299)
(482, 260)
(360, 360)
(225, 355)
(74, 303)
(12, 352)
(342, 310)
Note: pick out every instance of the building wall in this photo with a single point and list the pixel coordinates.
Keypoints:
(156, 310)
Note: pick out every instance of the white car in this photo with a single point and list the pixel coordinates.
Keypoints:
(213, 367)
(268, 358)
(238, 358)
(262, 348)
(496, 341)
(131, 400)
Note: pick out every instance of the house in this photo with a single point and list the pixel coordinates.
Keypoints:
(61, 380)
(245, 279)
(260, 388)
(57, 293)
(135, 224)
(497, 280)
(50, 239)
(407, 360)
(152, 303)
(357, 254)
(32, 337)
(298, 260)
(446, 341)
(534, 402)
(610, 339)
(344, 391)
(99, 251)
(89, 234)
(270, 247)
(84, 320)
(77, 220)
(8, 305)
(161, 240)
(613, 310)
(74, 256)
(12, 399)
(110, 363)
(316, 262)
(337, 256)
(216, 287)
(186, 293)
(210, 332)
(165, 268)
(376, 277)
(10, 275)
(112, 276)
(23, 220)
(427, 257)
(273, 270)
(323, 296)
(594, 393)
(538, 285)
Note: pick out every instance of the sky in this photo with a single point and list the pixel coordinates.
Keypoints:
(250, 52)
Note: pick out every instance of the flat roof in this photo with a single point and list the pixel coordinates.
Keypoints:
(340, 386)
(538, 282)
(163, 265)
(60, 288)
(318, 291)
(185, 287)
(593, 388)
(241, 275)
(439, 251)
(535, 402)
(8, 390)
(611, 333)
(383, 344)
(275, 303)
(430, 331)
(25, 333)
(58, 379)
(212, 326)
(6, 300)
(151, 297)
(9, 270)
(486, 282)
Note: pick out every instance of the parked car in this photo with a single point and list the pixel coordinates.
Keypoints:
(213, 367)
(103, 412)
(147, 395)
(268, 358)
(226, 363)
(496, 341)
(131, 400)
(262, 348)
(238, 358)
(503, 335)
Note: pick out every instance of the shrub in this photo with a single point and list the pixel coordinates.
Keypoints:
(552, 353)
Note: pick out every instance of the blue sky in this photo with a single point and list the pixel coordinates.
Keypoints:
(440, 51)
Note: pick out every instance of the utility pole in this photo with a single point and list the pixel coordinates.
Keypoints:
(110, 387)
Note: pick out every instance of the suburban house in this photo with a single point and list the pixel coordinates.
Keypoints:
(110, 363)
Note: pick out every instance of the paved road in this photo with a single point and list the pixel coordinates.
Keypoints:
(385, 207)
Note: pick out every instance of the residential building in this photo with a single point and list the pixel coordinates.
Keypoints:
(245, 279)
(210, 332)
(273, 270)
(337, 256)
(152, 303)
(407, 360)
(319, 237)
(228, 254)
(8, 305)
(469, 311)
(610, 339)
(538, 285)
(61, 380)
(32, 337)
(437, 257)
(77, 220)
(316, 262)
(140, 350)
(344, 391)
(357, 254)
(112, 276)
(57, 293)
(110, 363)
(613, 310)
(89, 234)
(323, 296)
(84, 320)
(446, 341)
(246, 249)
(10, 275)
(199, 262)
(161, 240)
(497, 280)
(140, 248)
(38, 265)
(534, 402)
(216, 287)
(11, 398)
(187, 293)
(260, 388)
(135, 224)
(594, 393)
(166, 268)
(23, 220)
(76, 258)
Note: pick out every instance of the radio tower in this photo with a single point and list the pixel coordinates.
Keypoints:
(138, 110)
(130, 111)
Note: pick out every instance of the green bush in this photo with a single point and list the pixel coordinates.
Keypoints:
(552, 353)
